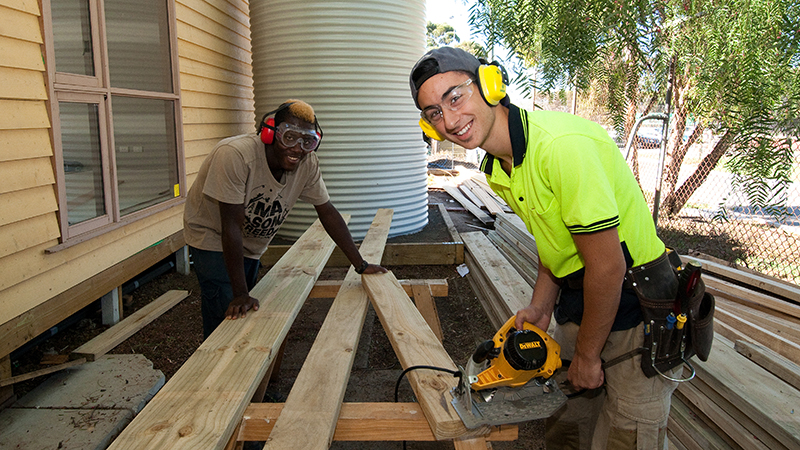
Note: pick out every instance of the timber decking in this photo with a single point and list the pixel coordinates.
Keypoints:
(318, 391)
(416, 344)
(200, 405)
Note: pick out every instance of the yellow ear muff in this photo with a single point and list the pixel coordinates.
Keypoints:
(493, 83)
(430, 130)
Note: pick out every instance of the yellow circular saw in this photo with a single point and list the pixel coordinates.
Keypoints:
(508, 378)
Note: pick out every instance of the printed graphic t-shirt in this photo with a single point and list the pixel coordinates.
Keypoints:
(236, 172)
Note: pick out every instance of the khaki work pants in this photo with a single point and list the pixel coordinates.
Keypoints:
(630, 412)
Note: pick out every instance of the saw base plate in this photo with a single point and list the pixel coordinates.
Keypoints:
(506, 405)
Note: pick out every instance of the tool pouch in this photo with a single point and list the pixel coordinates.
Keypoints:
(701, 322)
(666, 347)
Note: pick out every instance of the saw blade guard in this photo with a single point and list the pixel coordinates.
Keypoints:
(519, 356)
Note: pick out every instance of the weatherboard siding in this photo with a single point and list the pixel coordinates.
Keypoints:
(213, 45)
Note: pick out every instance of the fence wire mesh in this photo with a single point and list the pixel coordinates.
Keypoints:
(719, 218)
(447, 155)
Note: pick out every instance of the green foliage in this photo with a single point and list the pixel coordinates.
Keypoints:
(736, 63)
(474, 48)
(441, 34)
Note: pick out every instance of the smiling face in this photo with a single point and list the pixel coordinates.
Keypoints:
(468, 126)
(285, 159)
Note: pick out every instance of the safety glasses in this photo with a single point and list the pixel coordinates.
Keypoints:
(453, 100)
(290, 135)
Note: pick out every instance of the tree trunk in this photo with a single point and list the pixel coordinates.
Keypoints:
(632, 94)
(675, 201)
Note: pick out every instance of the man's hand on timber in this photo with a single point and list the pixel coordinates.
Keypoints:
(240, 305)
(374, 268)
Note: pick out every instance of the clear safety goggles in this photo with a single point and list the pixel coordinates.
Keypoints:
(290, 135)
(453, 100)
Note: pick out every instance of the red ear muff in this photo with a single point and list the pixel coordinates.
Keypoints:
(268, 131)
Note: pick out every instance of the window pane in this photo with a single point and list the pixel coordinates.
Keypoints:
(138, 45)
(83, 168)
(72, 36)
(144, 136)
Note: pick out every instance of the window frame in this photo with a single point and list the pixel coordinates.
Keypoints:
(67, 87)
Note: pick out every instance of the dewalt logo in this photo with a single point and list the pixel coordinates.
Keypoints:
(530, 345)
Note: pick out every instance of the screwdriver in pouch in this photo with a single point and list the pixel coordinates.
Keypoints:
(677, 339)
(665, 336)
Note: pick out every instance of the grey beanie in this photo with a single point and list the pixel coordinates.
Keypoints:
(444, 59)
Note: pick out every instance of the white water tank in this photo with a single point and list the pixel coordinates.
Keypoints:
(350, 60)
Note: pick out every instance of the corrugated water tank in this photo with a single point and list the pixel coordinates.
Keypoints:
(350, 60)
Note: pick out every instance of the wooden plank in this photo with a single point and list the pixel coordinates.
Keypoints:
(763, 282)
(202, 403)
(696, 434)
(728, 332)
(513, 230)
(22, 84)
(42, 317)
(318, 391)
(20, 25)
(213, 24)
(781, 324)
(466, 203)
(6, 393)
(749, 297)
(26, 204)
(485, 296)
(415, 344)
(734, 430)
(777, 364)
(524, 266)
(767, 400)
(24, 144)
(746, 422)
(467, 192)
(21, 55)
(107, 340)
(329, 288)
(478, 443)
(512, 292)
(28, 6)
(413, 254)
(41, 372)
(480, 179)
(423, 298)
(19, 236)
(491, 204)
(362, 422)
(673, 443)
(448, 221)
(777, 343)
(210, 42)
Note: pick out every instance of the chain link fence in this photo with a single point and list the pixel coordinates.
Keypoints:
(719, 218)
(446, 155)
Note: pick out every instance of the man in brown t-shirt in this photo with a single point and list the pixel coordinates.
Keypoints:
(243, 192)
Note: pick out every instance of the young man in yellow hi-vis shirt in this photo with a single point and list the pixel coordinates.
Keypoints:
(567, 180)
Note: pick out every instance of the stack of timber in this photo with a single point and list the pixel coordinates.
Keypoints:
(512, 238)
(503, 265)
(474, 194)
(747, 395)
